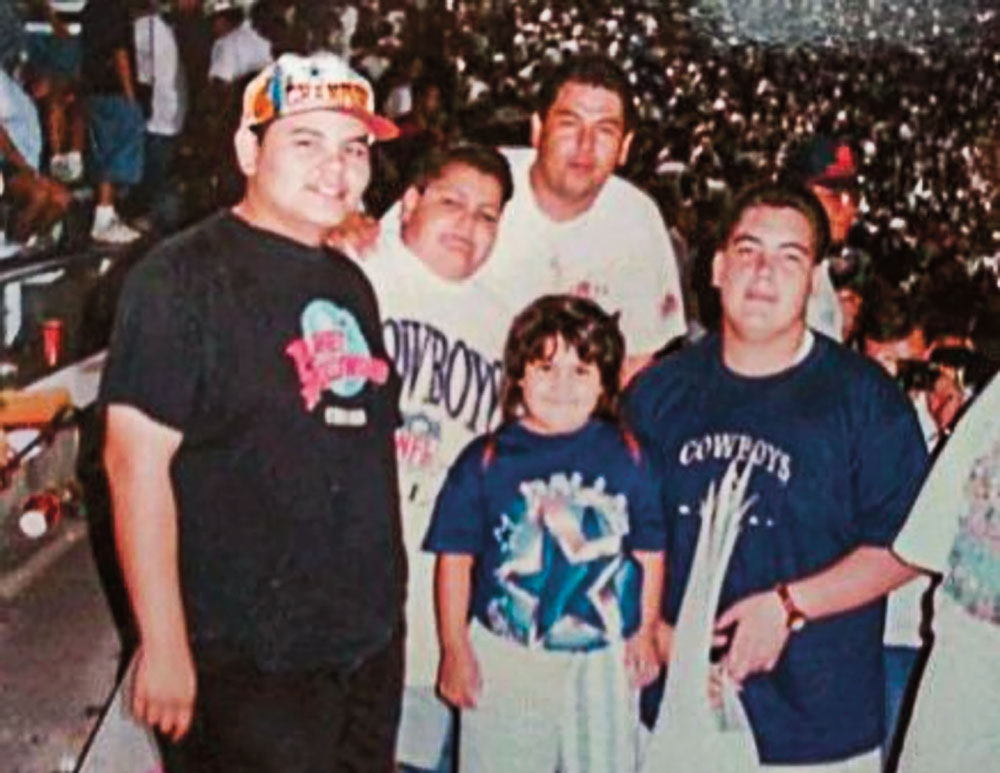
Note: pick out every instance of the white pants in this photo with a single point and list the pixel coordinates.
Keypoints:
(542, 711)
(869, 762)
(424, 728)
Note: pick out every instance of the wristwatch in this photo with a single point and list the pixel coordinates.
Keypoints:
(795, 618)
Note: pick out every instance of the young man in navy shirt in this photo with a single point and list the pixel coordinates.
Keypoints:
(836, 460)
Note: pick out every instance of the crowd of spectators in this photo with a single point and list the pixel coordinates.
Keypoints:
(727, 92)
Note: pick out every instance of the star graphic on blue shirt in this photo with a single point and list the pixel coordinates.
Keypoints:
(563, 588)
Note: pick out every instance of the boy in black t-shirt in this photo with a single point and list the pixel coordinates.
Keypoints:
(251, 410)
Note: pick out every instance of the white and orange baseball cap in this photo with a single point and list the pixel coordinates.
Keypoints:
(323, 81)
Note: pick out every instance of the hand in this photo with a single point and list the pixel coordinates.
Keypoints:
(355, 236)
(642, 661)
(459, 680)
(759, 638)
(716, 673)
(663, 634)
(164, 690)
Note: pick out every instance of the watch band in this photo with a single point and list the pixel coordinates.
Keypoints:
(795, 618)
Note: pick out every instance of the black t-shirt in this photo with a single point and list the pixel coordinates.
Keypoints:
(105, 29)
(267, 355)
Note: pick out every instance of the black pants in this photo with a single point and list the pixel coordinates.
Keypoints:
(331, 721)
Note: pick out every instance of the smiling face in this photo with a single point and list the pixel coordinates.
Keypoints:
(560, 391)
(306, 174)
(580, 140)
(764, 274)
(451, 224)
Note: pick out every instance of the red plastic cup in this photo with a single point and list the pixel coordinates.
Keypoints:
(52, 340)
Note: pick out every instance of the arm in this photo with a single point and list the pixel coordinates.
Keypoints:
(137, 455)
(124, 69)
(862, 576)
(641, 657)
(459, 680)
(650, 292)
(9, 151)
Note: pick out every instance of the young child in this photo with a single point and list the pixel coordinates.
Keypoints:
(549, 533)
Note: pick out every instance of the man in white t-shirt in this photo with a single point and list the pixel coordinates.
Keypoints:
(573, 226)
(159, 68)
(445, 330)
(239, 50)
(954, 530)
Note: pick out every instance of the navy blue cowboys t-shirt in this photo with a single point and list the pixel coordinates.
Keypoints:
(837, 460)
(551, 520)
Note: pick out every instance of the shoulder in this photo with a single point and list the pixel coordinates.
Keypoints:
(866, 403)
(163, 31)
(520, 160)
(349, 272)
(386, 260)
(184, 252)
(474, 458)
(617, 445)
(618, 192)
(186, 261)
(518, 156)
(857, 379)
(661, 387)
(224, 46)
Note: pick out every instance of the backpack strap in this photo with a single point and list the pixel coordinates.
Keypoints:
(632, 445)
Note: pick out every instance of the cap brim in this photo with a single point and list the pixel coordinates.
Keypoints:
(381, 128)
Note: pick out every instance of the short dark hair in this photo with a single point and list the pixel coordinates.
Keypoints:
(482, 158)
(584, 326)
(781, 196)
(590, 70)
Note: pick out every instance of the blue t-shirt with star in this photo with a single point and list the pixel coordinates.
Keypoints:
(836, 460)
(552, 521)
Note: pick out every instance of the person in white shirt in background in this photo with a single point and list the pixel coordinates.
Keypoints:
(953, 530)
(160, 71)
(444, 328)
(348, 26)
(399, 100)
(239, 49)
